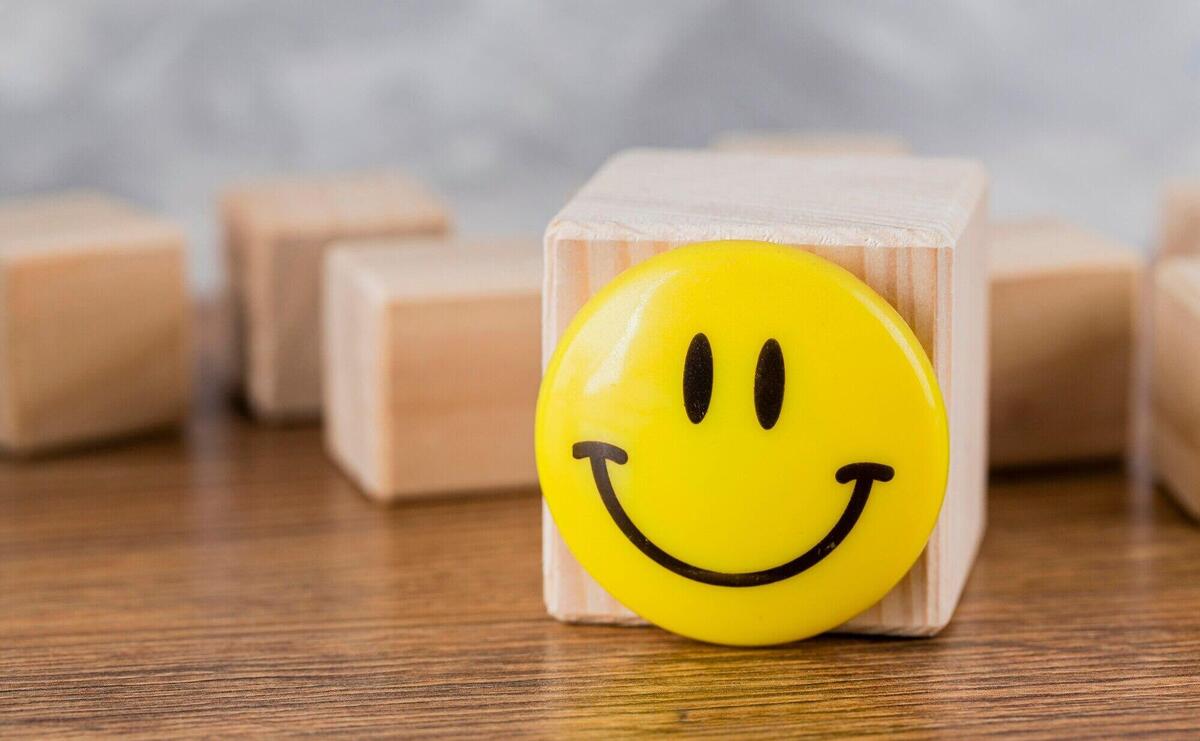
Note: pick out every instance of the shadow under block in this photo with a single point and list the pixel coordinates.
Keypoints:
(1175, 406)
(277, 233)
(811, 143)
(912, 229)
(1062, 343)
(1181, 218)
(431, 364)
(94, 322)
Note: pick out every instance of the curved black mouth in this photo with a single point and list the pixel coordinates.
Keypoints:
(864, 475)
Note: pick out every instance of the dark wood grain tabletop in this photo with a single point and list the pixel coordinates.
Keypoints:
(229, 580)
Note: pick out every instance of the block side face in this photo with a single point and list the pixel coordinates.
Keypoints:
(689, 196)
(7, 391)
(1062, 363)
(99, 343)
(462, 392)
(289, 376)
(1175, 395)
(352, 359)
(1181, 219)
(1177, 465)
(1180, 279)
(235, 247)
(258, 352)
(964, 516)
(941, 293)
(284, 331)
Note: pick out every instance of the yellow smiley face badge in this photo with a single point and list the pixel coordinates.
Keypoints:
(743, 443)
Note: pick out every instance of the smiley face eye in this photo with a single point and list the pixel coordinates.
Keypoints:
(698, 378)
(768, 384)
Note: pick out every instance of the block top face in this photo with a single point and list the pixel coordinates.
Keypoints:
(811, 143)
(1180, 276)
(336, 205)
(1048, 245)
(404, 270)
(1183, 190)
(74, 221)
(686, 196)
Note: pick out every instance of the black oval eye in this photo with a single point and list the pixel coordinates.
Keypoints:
(768, 384)
(697, 378)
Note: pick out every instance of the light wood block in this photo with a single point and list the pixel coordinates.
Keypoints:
(810, 143)
(1175, 406)
(913, 229)
(1062, 343)
(1181, 218)
(432, 364)
(277, 233)
(94, 322)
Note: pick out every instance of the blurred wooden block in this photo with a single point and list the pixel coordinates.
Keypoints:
(94, 322)
(913, 229)
(277, 233)
(1181, 218)
(1175, 426)
(432, 364)
(809, 143)
(1062, 339)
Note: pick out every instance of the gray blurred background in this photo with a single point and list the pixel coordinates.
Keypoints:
(1077, 108)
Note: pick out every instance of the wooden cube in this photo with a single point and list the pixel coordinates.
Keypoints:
(432, 364)
(809, 143)
(1062, 339)
(913, 229)
(94, 322)
(1175, 406)
(1181, 218)
(276, 236)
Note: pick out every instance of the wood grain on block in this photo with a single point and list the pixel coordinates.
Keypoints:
(913, 229)
(94, 322)
(1062, 343)
(1175, 426)
(1181, 218)
(809, 143)
(432, 365)
(277, 233)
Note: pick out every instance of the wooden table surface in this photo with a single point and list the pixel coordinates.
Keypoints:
(230, 580)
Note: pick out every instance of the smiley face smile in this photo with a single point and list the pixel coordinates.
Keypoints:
(864, 475)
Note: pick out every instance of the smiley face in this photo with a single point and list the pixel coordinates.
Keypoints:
(741, 442)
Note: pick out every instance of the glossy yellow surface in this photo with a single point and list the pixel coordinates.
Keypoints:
(740, 528)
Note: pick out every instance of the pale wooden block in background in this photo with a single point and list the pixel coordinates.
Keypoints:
(431, 364)
(913, 229)
(811, 143)
(1181, 218)
(1175, 379)
(277, 233)
(1062, 343)
(94, 322)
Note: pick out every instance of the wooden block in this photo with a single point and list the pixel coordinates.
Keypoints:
(94, 322)
(809, 143)
(276, 236)
(1175, 394)
(1181, 218)
(1062, 343)
(913, 229)
(432, 364)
